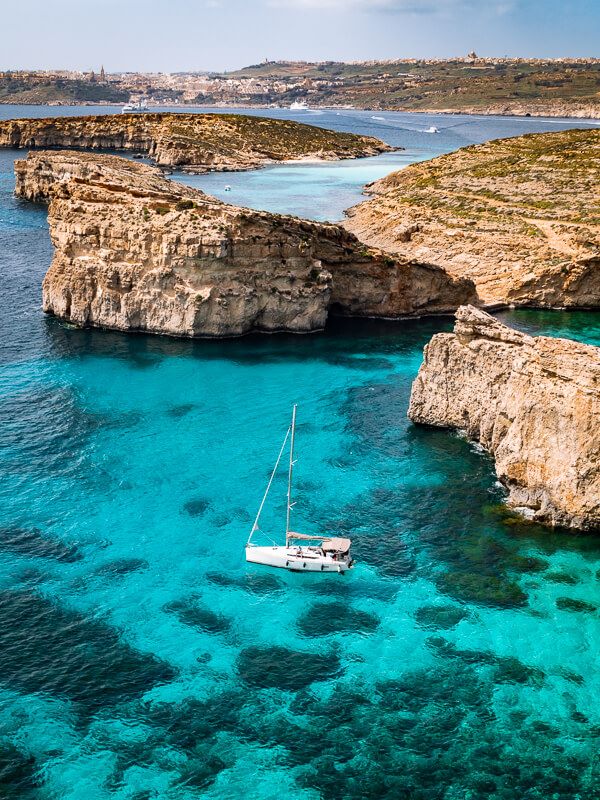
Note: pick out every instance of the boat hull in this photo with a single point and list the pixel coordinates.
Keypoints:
(296, 559)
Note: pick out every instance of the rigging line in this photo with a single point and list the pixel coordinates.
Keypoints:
(255, 526)
(291, 467)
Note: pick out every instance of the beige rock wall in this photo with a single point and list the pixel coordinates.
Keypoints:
(134, 251)
(532, 402)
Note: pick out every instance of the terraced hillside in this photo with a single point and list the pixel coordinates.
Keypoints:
(491, 86)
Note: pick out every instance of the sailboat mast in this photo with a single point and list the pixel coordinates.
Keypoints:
(289, 491)
(255, 526)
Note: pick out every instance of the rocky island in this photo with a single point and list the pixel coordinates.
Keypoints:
(520, 217)
(532, 402)
(135, 251)
(193, 142)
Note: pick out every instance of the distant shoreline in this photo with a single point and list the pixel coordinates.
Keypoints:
(581, 114)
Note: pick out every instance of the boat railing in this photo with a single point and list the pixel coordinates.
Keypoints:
(308, 537)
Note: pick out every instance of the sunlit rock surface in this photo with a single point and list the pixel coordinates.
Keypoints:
(135, 251)
(520, 217)
(532, 402)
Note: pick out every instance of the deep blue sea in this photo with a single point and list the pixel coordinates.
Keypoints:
(140, 657)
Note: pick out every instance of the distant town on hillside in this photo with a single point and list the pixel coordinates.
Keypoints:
(467, 84)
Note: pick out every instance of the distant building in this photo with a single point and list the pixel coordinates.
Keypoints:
(102, 75)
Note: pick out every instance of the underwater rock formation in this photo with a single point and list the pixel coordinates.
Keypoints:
(532, 402)
(137, 252)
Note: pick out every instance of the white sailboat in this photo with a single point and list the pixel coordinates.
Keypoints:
(318, 554)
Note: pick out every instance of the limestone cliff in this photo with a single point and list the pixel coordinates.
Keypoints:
(533, 402)
(194, 142)
(520, 217)
(135, 251)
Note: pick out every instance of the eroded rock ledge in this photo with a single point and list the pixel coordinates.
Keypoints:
(137, 252)
(194, 142)
(520, 217)
(533, 402)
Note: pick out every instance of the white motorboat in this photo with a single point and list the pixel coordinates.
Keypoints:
(299, 105)
(135, 108)
(302, 552)
(431, 129)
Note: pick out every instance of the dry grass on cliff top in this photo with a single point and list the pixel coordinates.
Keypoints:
(554, 176)
(277, 139)
(520, 217)
(279, 136)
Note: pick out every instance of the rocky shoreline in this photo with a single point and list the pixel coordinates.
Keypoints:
(137, 252)
(532, 402)
(195, 143)
(567, 111)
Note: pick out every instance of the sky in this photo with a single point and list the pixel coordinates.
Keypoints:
(198, 35)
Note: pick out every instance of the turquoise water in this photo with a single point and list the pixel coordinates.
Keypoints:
(140, 657)
(324, 191)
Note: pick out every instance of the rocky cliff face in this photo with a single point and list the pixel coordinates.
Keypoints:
(520, 217)
(534, 403)
(194, 142)
(134, 251)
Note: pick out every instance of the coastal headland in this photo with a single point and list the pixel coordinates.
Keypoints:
(192, 142)
(135, 251)
(520, 217)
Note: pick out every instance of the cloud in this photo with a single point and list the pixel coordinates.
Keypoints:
(345, 5)
(395, 6)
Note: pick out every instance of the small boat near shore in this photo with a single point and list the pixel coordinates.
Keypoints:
(302, 552)
(299, 105)
(139, 107)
